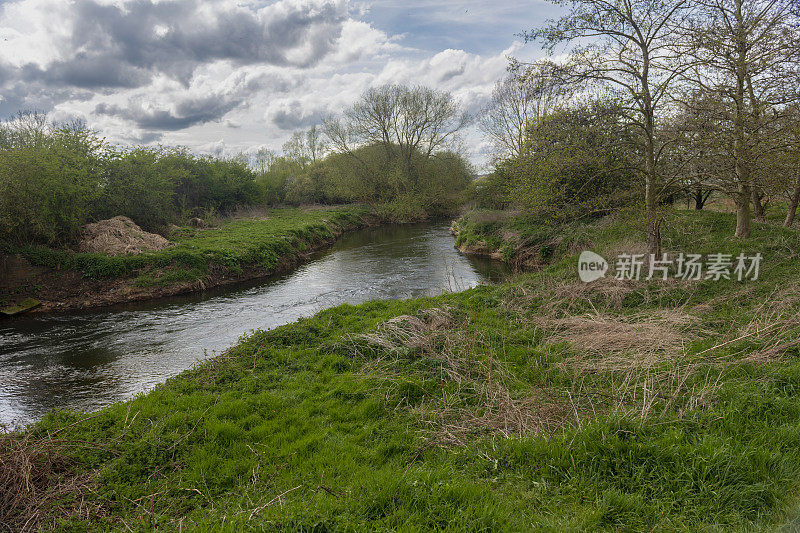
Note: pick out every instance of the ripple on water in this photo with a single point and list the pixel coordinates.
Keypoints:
(84, 361)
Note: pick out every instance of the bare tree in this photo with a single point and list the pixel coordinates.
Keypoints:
(406, 122)
(627, 45)
(263, 159)
(693, 156)
(526, 94)
(315, 144)
(295, 149)
(783, 167)
(745, 55)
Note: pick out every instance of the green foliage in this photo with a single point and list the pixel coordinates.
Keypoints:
(370, 175)
(48, 189)
(140, 184)
(494, 190)
(234, 246)
(345, 437)
(210, 184)
(577, 161)
(56, 178)
(373, 175)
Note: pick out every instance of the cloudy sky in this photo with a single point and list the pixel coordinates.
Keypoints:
(229, 76)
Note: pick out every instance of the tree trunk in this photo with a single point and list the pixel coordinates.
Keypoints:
(742, 200)
(650, 199)
(651, 213)
(741, 152)
(758, 207)
(699, 200)
(793, 201)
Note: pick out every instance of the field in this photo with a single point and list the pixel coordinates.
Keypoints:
(542, 404)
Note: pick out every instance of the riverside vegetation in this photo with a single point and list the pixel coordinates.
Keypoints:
(239, 248)
(540, 404)
(543, 403)
(56, 178)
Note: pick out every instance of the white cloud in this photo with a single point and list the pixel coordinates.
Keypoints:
(177, 71)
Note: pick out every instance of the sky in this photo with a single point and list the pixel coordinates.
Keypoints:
(228, 76)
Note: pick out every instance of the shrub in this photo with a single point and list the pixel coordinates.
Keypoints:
(49, 188)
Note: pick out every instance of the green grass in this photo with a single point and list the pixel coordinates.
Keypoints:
(496, 418)
(232, 246)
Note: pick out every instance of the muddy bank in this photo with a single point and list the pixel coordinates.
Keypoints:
(66, 290)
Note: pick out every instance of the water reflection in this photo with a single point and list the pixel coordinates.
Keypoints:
(87, 360)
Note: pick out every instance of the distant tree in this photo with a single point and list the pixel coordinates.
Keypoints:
(295, 149)
(409, 124)
(525, 94)
(305, 147)
(695, 159)
(263, 159)
(316, 146)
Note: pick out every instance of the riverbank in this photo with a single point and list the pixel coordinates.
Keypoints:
(511, 237)
(541, 404)
(237, 250)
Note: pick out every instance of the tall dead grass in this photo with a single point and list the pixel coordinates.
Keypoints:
(39, 484)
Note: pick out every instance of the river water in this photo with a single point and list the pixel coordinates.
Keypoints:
(84, 361)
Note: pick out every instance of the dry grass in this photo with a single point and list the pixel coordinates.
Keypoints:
(119, 236)
(482, 403)
(627, 247)
(39, 484)
(635, 365)
(775, 325)
(558, 298)
(641, 359)
(622, 341)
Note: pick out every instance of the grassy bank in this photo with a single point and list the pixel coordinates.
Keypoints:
(542, 404)
(235, 249)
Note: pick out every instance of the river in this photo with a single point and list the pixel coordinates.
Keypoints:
(84, 361)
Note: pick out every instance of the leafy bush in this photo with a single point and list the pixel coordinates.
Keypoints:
(48, 188)
(140, 185)
(56, 178)
(577, 162)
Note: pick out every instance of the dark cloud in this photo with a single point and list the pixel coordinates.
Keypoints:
(113, 47)
(88, 72)
(145, 137)
(456, 70)
(184, 111)
(122, 47)
(295, 117)
(187, 113)
(21, 96)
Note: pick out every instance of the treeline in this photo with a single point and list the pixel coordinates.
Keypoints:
(656, 101)
(54, 178)
(391, 150)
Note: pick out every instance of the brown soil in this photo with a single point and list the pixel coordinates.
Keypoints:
(526, 258)
(119, 236)
(481, 249)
